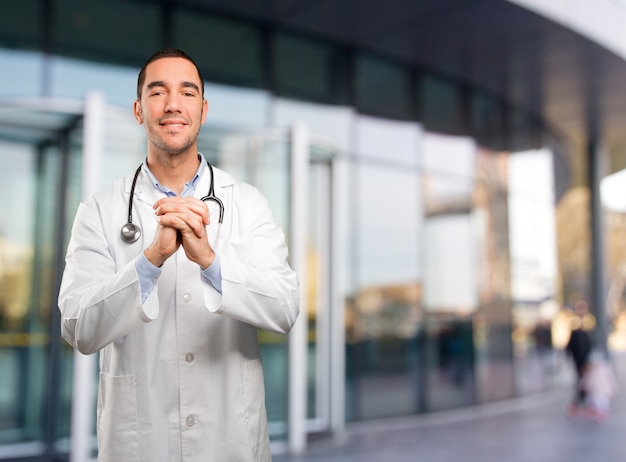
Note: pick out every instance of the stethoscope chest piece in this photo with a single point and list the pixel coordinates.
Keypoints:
(130, 233)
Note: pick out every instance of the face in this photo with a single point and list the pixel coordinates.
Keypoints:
(172, 108)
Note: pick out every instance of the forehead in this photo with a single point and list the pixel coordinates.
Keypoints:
(171, 71)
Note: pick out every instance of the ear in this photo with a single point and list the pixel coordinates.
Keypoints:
(205, 110)
(137, 111)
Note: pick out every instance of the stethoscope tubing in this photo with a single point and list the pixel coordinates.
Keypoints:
(131, 232)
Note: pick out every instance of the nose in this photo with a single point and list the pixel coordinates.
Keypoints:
(172, 103)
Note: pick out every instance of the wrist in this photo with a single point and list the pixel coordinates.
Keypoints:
(154, 258)
(204, 263)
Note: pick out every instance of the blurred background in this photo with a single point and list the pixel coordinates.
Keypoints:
(448, 172)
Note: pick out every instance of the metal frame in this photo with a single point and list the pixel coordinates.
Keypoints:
(83, 412)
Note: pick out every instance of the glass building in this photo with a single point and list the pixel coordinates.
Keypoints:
(435, 165)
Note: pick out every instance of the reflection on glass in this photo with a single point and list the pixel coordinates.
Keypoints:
(387, 140)
(534, 281)
(450, 271)
(384, 314)
(17, 423)
(26, 71)
(318, 287)
(26, 287)
(492, 321)
(74, 79)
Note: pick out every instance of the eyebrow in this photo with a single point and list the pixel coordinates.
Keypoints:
(161, 83)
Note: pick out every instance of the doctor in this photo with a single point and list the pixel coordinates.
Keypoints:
(174, 314)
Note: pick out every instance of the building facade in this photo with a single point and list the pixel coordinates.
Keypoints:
(419, 157)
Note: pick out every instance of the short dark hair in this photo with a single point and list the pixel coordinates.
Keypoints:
(165, 53)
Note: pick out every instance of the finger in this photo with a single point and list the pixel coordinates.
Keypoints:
(184, 222)
(182, 205)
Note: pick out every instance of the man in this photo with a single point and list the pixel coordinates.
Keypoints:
(174, 313)
(579, 347)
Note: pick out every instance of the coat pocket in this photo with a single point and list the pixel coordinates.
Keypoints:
(118, 438)
(254, 399)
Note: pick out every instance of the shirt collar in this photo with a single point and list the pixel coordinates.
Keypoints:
(188, 189)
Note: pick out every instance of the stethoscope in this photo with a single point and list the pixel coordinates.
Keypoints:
(130, 232)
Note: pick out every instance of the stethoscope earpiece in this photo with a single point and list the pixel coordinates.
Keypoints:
(130, 232)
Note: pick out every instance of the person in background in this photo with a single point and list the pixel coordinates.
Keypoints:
(599, 385)
(172, 301)
(579, 348)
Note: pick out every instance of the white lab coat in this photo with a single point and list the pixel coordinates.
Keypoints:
(180, 375)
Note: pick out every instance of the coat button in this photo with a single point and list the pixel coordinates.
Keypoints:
(190, 420)
(189, 357)
(187, 298)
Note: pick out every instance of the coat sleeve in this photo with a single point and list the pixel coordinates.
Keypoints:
(258, 285)
(99, 303)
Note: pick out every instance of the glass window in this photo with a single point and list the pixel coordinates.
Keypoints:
(27, 280)
(384, 313)
(20, 24)
(614, 205)
(225, 50)
(21, 73)
(20, 411)
(71, 78)
(451, 262)
(117, 30)
(441, 106)
(388, 140)
(302, 68)
(486, 121)
(493, 318)
(382, 88)
(333, 123)
(524, 134)
(534, 282)
(451, 156)
(59, 385)
(449, 298)
(236, 107)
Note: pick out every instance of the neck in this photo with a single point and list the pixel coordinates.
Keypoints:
(174, 171)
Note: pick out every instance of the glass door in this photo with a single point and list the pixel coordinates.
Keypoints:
(319, 279)
(23, 336)
(34, 413)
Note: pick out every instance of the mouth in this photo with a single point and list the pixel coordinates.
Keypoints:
(173, 124)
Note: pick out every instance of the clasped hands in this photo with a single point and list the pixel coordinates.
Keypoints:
(181, 221)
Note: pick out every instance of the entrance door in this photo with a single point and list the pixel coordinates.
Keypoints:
(35, 151)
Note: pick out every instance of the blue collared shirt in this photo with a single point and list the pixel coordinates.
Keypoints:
(147, 273)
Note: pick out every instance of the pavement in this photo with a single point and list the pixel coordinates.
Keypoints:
(533, 428)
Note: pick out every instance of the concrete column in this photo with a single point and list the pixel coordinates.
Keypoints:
(596, 159)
